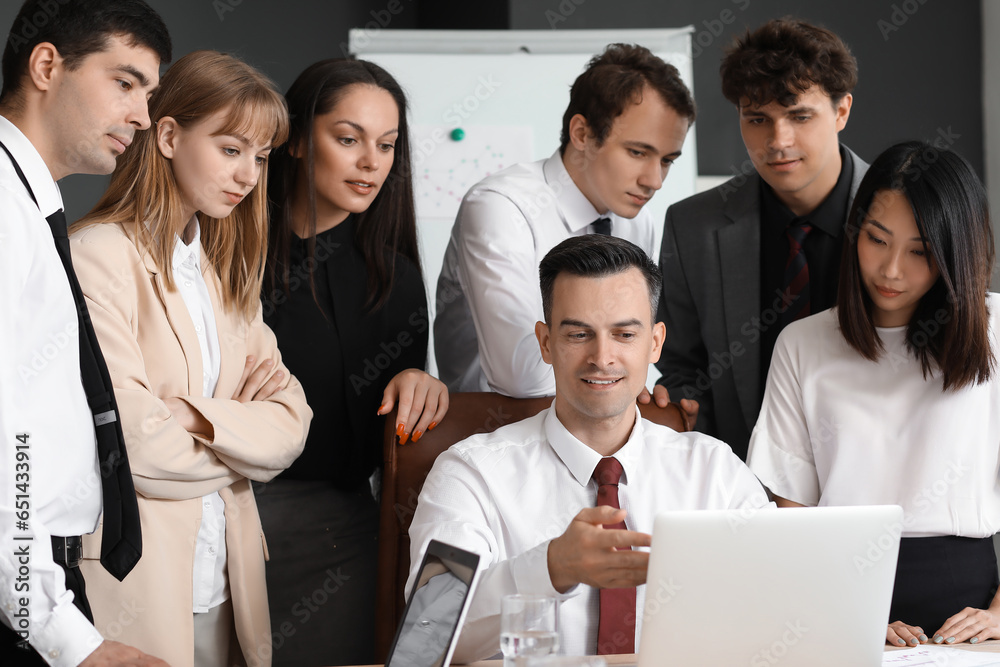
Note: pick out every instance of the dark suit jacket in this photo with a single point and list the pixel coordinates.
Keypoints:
(711, 305)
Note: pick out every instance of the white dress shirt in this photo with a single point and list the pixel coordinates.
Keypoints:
(210, 581)
(41, 395)
(488, 298)
(837, 429)
(505, 495)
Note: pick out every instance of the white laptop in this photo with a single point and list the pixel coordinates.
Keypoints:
(805, 587)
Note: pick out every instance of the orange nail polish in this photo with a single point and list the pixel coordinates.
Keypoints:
(399, 430)
(380, 409)
(416, 435)
(431, 427)
(403, 438)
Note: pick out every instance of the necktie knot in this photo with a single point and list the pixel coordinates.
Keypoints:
(608, 471)
(601, 226)
(797, 233)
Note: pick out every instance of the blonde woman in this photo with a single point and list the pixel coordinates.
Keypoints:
(171, 260)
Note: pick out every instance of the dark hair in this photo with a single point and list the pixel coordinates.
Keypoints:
(950, 327)
(782, 59)
(615, 79)
(78, 28)
(389, 227)
(596, 256)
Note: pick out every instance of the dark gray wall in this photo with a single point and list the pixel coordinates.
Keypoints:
(915, 82)
(921, 80)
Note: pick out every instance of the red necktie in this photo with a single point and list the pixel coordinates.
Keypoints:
(796, 274)
(616, 628)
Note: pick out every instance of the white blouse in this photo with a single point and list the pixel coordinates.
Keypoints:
(210, 580)
(837, 429)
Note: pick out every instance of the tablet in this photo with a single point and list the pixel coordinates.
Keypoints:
(435, 611)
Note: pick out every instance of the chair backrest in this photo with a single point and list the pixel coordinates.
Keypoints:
(406, 468)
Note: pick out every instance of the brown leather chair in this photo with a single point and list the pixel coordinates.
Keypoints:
(406, 468)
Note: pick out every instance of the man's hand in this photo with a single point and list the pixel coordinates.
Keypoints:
(661, 397)
(112, 654)
(587, 553)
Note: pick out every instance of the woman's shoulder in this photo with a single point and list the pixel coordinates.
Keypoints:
(107, 236)
(815, 328)
(813, 341)
(104, 246)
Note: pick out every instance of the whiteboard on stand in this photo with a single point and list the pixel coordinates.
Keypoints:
(505, 91)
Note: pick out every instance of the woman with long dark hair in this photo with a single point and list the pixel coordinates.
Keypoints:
(344, 294)
(892, 397)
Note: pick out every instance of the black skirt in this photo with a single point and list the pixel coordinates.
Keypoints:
(937, 577)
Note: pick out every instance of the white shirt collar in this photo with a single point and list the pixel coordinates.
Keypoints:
(35, 170)
(189, 253)
(581, 459)
(577, 210)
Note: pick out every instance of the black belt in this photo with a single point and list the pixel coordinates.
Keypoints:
(67, 551)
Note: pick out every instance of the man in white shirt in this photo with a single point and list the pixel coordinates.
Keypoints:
(628, 116)
(525, 497)
(76, 79)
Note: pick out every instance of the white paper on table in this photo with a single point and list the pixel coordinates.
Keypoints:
(444, 169)
(938, 656)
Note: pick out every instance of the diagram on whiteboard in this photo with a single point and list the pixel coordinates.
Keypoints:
(447, 161)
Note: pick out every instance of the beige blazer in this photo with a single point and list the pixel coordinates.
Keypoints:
(152, 352)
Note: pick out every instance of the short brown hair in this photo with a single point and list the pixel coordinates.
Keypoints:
(596, 256)
(78, 29)
(615, 79)
(782, 59)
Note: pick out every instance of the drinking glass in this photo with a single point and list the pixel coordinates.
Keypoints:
(529, 626)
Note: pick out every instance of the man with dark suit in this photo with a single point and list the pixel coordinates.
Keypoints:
(744, 259)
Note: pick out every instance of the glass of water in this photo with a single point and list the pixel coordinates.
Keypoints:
(529, 626)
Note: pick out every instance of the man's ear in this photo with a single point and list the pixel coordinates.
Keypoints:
(544, 338)
(659, 336)
(43, 65)
(579, 132)
(843, 111)
(166, 136)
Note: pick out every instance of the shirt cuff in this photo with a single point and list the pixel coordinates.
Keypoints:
(66, 638)
(530, 571)
(784, 474)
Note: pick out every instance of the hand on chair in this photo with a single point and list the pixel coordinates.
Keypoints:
(423, 402)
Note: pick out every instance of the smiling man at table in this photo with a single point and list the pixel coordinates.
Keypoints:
(537, 499)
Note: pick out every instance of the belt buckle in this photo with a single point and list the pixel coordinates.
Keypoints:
(69, 550)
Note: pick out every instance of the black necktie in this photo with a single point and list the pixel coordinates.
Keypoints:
(601, 226)
(121, 541)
